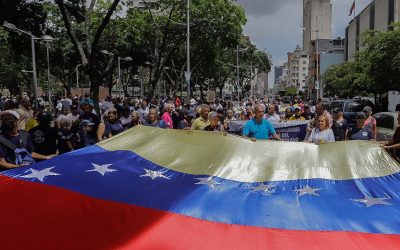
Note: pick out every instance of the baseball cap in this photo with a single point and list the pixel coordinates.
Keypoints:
(360, 115)
(10, 112)
(191, 113)
(212, 115)
(86, 123)
(86, 102)
(367, 109)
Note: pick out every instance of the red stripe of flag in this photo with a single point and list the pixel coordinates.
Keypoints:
(353, 7)
(37, 216)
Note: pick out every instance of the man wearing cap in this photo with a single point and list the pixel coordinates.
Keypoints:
(44, 136)
(370, 121)
(259, 127)
(95, 133)
(214, 123)
(186, 123)
(201, 122)
(297, 115)
(74, 115)
(84, 138)
(360, 131)
(12, 138)
(25, 113)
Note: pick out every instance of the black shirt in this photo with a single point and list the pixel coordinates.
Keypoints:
(44, 138)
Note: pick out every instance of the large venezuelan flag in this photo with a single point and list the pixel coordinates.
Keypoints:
(165, 189)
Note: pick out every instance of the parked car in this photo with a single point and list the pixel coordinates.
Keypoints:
(386, 123)
(351, 107)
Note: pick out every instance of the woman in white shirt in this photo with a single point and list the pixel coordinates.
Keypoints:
(322, 133)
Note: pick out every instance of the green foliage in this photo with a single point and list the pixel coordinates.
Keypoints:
(292, 90)
(155, 37)
(347, 79)
(381, 58)
(376, 68)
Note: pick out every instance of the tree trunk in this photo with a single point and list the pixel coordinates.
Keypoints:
(201, 92)
(220, 91)
(95, 82)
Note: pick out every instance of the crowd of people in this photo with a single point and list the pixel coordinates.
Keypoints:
(30, 134)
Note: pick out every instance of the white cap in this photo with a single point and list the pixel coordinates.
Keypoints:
(10, 112)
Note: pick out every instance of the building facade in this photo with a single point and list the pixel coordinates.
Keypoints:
(330, 52)
(298, 69)
(378, 15)
(277, 72)
(317, 21)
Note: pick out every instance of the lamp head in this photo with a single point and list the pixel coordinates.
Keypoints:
(106, 52)
(127, 59)
(47, 38)
(9, 25)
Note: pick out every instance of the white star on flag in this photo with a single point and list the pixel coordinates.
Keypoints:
(154, 174)
(262, 187)
(207, 181)
(40, 175)
(307, 190)
(370, 201)
(101, 169)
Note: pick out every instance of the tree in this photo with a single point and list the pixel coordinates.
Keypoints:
(88, 42)
(381, 58)
(347, 79)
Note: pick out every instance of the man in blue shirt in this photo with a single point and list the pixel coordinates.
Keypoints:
(258, 127)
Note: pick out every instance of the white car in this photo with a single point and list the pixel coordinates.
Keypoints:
(386, 123)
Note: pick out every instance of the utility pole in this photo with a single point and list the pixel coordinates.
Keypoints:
(237, 72)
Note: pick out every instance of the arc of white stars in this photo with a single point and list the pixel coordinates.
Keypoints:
(307, 190)
(207, 181)
(40, 174)
(264, 188)
(371, 201)
(154, 174)
(101, 169)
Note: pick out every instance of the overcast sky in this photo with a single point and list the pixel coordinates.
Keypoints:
(275, 25)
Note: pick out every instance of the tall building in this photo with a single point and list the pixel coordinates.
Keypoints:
(330, 52)
(317, 21)
(277, 72)
(298, 69)
(378, 15)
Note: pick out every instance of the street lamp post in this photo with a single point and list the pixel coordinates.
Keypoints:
(237, 69)
(188, 73)
(126, 59)
(77, 78)
(48, 39)
(33, 38)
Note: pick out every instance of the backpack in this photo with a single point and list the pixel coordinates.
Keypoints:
(22, 156)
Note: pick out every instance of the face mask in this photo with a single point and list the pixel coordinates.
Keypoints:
(288, 115)
(7, 125)
(297, 115)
